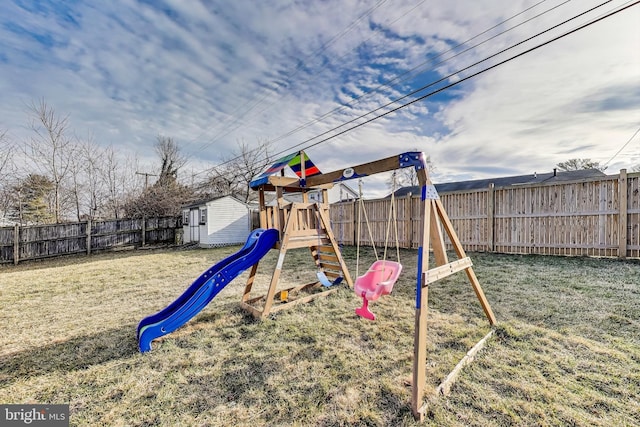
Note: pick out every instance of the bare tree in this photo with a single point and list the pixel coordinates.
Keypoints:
(6, 163)
(578, 164)
(5, 152)
(87, 188)
(159, 200)
(118, 176)
(166, 196)
(249, 163)
(50, 149)
(235, 174)
(76, 184)
(170, 157)
(95, 186)
(217, 184)
(97, 179)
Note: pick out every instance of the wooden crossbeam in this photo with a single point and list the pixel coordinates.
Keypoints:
(328, 257)
(303, 300)
(445, 387)
(446, 270)
(332, 274)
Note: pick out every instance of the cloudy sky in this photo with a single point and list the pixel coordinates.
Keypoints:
(213, 73)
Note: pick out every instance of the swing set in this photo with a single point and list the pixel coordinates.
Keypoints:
(305, 223)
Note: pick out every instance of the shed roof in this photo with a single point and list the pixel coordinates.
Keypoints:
(203, 202)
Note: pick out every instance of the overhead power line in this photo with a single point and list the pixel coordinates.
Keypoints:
(449, 76)
(396, 79)
(527, 51)
(420, 68)
(421, 89)
(622, 148)
(413, 72)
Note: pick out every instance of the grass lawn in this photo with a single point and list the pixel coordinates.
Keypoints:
(566, 349)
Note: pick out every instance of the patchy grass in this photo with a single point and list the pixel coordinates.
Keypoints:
(566, 350)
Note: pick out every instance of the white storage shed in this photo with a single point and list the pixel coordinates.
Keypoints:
(216, 222)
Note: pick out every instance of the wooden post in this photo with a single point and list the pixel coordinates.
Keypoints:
(144, 228)
(325, 198)
(409, 222)
(89, 237)
(263, 209)
(437, 239)
(284, 245)
(16, 244)
(422, 294)
(445, 387)
(433, 212)
(491, 214)
(303, 177)
(247, 289)
(278, 216)
(623, 216)
(354, 216)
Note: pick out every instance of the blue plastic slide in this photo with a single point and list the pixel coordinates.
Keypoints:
(205, 288)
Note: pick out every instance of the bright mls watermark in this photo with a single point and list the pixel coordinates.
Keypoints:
(34, 415)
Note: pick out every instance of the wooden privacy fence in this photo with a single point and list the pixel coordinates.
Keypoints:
(594, 217)
(20, 243)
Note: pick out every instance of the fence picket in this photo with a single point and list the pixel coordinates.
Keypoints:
(593, 217)
(20, 243)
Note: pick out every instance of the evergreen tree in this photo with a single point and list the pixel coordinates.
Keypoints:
(33, 200)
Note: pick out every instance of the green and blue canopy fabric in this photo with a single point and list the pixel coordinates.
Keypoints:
(294, 161)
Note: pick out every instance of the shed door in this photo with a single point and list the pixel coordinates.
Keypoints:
(194, 225)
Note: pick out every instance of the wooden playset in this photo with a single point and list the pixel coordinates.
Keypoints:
(301, 224)
(305, 223)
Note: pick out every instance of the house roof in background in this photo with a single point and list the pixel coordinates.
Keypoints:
(348, 190)
(536, 178)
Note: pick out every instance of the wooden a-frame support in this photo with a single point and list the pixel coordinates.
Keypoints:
(434, 222)
(435, 219)
(306, 225)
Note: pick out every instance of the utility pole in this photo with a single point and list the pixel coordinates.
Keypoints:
(146, 178)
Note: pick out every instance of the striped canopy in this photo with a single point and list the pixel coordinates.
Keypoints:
(294, 161)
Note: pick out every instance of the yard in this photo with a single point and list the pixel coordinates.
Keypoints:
(566, 349)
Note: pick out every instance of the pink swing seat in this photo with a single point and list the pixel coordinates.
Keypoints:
(377, 281)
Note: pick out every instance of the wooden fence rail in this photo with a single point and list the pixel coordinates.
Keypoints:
(595, 217)
(20, 243)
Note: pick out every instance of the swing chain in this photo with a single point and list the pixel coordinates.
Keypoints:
(392, 217)
(361, 210)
